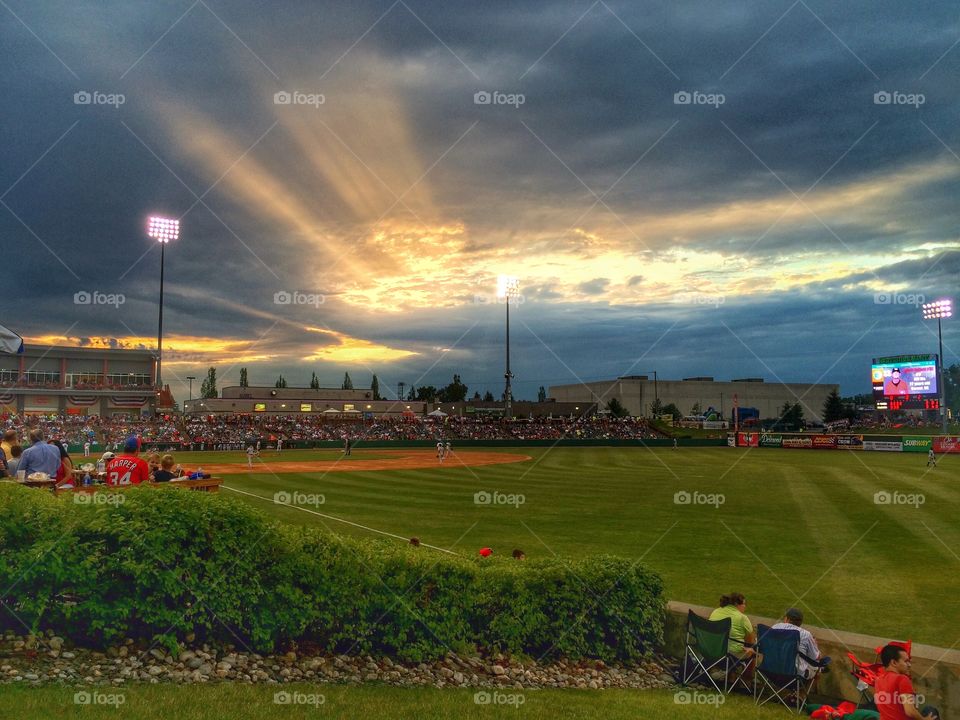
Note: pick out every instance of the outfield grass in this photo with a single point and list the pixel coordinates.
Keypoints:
(228, 700)
(795, 528)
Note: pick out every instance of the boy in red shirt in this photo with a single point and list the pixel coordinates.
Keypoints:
(893, 694)
(128, 468)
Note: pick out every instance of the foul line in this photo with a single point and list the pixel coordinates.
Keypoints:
(332, 517)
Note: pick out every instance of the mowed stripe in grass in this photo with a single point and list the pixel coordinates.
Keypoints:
(794, 527)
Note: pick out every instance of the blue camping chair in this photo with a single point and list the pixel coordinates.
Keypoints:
(777, 676)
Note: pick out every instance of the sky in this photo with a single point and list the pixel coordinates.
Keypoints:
(755, 189)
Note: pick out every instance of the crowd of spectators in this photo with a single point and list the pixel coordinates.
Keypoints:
(233, 432)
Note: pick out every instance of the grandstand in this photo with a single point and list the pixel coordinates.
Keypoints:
(78, 381)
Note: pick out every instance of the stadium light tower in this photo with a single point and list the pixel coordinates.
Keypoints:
(508, 287)
(163, 230)
(937, 310)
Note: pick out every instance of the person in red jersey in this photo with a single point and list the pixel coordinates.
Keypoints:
(128, 468)
(893, 694)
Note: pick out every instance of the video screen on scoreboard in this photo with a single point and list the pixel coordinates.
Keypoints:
(900, 381)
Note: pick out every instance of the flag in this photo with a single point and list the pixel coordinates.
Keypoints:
(10, 342)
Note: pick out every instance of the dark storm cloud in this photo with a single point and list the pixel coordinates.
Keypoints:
(797, 104)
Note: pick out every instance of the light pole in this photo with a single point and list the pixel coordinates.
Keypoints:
(507, 287)
(938, 310)
(190, 379)
(163, 230)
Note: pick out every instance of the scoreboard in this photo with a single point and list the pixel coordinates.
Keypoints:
(906, 382)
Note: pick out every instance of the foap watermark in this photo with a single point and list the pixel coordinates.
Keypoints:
(685, 497)
(494, 299)
(95, 97)
(86, 697)
(495, 97)
(295, 297)
(294, 697)
(295, 97)
(895, 298)
(95, 297)
(695, 97)
(498, 498)
(488, 697)
(98, 498)
(695, 697)
(884, 497)
(895, 97)
(298, 498)
(882, 697)
(703, 299)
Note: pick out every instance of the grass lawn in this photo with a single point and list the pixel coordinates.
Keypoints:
(212, 702)
(795, 527)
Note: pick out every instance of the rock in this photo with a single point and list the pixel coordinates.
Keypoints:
(194, 663)
(155, 670)
(122, 651)
(158, 654)
(68, 655)
(205, 669)
(31, 676)
(55, 643)
(498, 670)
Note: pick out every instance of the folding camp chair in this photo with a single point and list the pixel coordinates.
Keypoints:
(706, 653)
(777, 676)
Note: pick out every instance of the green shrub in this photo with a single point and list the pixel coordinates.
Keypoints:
(163, 563)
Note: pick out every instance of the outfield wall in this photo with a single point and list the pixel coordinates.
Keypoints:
(940, 444)
(935, 670)
(465, 444)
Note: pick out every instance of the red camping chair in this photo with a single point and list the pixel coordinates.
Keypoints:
(866, 674)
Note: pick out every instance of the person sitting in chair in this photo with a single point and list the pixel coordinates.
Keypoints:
(893, 694)
(733, 606)
(793, 620)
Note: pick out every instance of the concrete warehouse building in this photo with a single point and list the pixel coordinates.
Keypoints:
(637, 393)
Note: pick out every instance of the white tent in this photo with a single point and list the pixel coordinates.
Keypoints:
(330, 411)
(10, 342)
(437, 413)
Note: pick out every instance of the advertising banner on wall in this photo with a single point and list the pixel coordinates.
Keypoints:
(917, 444)
(883, 445)
(798, 442)
(770, 440)
(946, 445)
(825, 442)
(850, 442)
(750, 439)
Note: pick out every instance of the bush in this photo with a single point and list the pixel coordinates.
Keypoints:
(163, 563)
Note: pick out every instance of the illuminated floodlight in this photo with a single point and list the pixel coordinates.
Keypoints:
(938, 309)
(163, 229)
(507, 286)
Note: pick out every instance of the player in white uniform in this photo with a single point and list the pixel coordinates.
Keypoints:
(448, 450)
(86, 449)
(440, 451)
(931, 458)
(279, 445)
(250, 453)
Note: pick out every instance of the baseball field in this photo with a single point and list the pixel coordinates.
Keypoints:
(865, 542)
